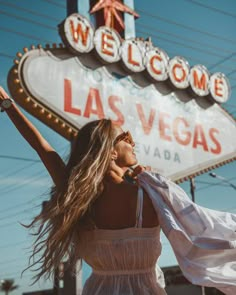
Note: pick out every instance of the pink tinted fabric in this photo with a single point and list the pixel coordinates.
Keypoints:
(123, 261)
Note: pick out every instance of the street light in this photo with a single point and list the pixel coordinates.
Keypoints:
(223, 179)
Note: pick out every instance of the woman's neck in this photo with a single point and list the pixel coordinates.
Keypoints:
(116, 173)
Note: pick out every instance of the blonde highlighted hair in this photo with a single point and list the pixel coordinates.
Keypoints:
(58, 222)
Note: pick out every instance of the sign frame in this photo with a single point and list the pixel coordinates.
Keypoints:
(37, 108)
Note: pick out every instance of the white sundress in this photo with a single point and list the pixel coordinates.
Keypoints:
(123, 261)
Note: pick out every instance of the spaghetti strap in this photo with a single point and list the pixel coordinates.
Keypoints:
(139, 208)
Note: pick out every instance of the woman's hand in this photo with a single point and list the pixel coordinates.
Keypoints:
(137, 170)
(3, 94)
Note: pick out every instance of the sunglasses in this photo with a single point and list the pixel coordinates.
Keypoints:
(124, 136)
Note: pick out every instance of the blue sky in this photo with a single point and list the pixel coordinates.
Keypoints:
(201, 31)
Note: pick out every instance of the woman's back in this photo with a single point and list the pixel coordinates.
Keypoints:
(116, 207)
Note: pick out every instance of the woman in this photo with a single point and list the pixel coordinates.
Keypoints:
(98, 213)
(95, 212)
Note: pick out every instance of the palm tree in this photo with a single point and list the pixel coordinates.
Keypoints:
(7, 286)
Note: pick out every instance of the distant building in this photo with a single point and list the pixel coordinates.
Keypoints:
(44, 292)
(177, 284)
(65, 283)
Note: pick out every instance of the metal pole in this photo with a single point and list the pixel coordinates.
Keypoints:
(72, 6)
(192, 190)
(203, 290)
(129, 21)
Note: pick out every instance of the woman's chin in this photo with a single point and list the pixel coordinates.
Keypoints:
(135, 162)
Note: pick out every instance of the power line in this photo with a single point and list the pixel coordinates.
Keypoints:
(9, 261)
(212, 8)
(24, 203)
(192, 29)
(9, 175)
(10, 275)
(181, 44)
(31, 180)
(28, 20)
(188, 57)
(19, 158)
(222, 61)
(18, 266)
(15, 16)
(7, 55)
(55, 3)
(232, 72)
(29, 11)
(186, 39)
(185, 45)
(210, 183)
(23, 35)
(10, 224)
(156, 36)
(35, 176)
(20, 212)
(18, 170)
(231, 105)
(16, 277)
(13, 244)
(33, 12)
(19, 205)
(213, 184)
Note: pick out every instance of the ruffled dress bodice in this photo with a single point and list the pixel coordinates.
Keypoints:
(123, 261)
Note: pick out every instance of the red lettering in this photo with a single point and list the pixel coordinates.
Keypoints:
(94, 97)
(176, 131)
(175, 67)
(130, 57)
(68, 99)
(218, 88)
(112, 103)
(78, 32)
(200, 84)
(199, 137)
(217, 149)
(154, 69)
(163, 127)
(106, 45)
(147, 126)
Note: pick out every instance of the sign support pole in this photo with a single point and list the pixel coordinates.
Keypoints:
(78, 6)
(192, 187)
(129, 21)
(71, 6)
(83, 7)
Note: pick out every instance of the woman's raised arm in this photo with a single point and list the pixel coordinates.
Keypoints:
(48, 155)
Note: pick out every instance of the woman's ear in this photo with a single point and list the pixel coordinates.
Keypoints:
(114, 155)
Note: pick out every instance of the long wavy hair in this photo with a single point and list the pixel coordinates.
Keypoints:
(58, 223)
